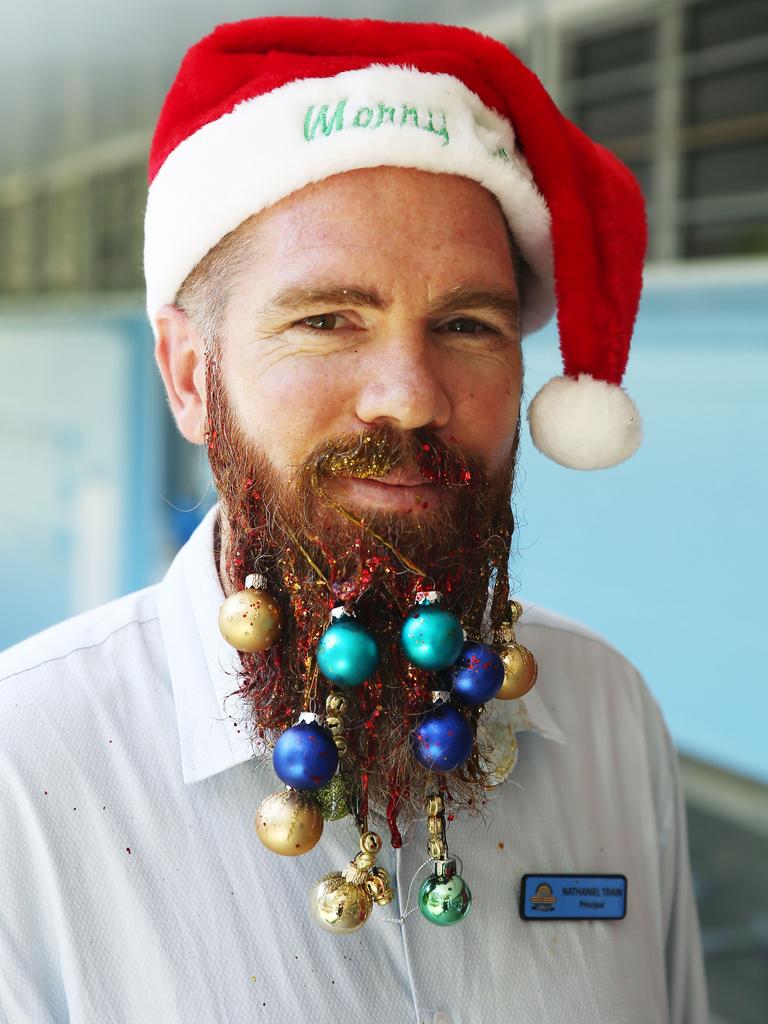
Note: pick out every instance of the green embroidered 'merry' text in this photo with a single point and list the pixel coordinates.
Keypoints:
(321, 120)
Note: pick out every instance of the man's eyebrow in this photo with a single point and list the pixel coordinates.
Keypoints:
(463, 297)
(467, 298)
(334, 295)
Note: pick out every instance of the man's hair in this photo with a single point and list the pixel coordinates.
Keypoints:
(205, 292)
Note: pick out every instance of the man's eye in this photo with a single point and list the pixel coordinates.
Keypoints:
(466, 325)
(321, 321)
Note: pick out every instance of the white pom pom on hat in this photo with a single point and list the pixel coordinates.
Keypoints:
(584, 423)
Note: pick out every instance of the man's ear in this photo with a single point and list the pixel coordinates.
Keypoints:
(179, 353)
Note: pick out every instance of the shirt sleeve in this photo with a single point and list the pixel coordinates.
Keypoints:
(686, 983)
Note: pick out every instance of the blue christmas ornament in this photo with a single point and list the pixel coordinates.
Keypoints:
(477, 676)
(305, 756)
(431, 637)
(347, 653)
(443, 739)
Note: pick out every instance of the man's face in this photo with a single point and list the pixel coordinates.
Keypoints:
(376, 306)
(379, 297)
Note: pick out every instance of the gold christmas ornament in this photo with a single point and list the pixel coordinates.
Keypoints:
(336, 704)
(520, 672)
(379, 886)
(434, 804)
(515, 610)
(289, 823)
(250, 619)
(334, 725)
(341, 902)
(370, 842)
(339, 906)
(437, 847)
(520, 668)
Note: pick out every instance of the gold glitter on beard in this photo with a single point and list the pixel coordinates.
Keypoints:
(315, 556)
(365, 457)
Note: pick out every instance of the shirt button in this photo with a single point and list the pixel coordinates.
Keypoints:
(441, 1017)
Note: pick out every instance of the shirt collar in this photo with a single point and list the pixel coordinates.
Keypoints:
(213, 733)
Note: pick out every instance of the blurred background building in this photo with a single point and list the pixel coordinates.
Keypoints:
(664, 555)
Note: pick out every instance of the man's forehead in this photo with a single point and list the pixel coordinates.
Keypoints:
(345, 208)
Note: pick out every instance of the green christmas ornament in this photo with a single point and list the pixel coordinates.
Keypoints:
(333, 798)
(444, 897)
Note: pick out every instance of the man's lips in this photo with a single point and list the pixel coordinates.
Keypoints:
(401, 478)
(398, 491)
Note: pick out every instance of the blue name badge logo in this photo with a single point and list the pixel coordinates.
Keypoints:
(573, 897)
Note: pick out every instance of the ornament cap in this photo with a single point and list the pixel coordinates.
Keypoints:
(308, 717)
(445, 869)
(255, 581)
(505, 633)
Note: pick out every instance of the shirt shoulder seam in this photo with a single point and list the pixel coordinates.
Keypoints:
(75, 650)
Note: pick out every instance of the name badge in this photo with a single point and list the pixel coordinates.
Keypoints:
(573, 897)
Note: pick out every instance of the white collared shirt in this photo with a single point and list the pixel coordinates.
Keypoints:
(133, 887)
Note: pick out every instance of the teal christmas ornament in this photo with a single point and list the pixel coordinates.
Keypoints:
(444, 897)
(477, 676)
(431, 636)
(305, 755)
(347, 654)
(442, 738)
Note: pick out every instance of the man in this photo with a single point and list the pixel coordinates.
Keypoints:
(350, 228)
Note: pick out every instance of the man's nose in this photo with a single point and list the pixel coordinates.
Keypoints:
(405, 385)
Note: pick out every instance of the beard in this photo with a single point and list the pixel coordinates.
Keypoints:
(317, 554)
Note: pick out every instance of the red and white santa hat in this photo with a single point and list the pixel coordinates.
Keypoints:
(263, 107)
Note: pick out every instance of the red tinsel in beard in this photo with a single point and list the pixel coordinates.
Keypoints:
(316, 554)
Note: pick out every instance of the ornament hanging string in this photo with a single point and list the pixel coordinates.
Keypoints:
(408, 908)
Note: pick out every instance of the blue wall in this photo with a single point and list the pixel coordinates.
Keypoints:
(81, 433)
(666, 555)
